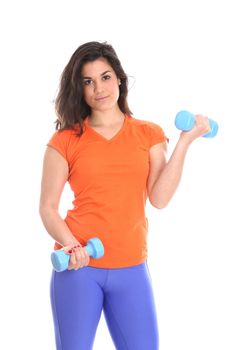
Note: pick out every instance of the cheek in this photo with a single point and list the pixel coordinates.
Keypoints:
(114, 88)
(86, 95)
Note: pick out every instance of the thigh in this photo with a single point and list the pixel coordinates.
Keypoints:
(76, 300)
(129, 309)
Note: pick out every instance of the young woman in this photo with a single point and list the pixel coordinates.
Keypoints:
(113, 163)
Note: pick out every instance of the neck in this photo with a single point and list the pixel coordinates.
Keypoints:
(105, 118)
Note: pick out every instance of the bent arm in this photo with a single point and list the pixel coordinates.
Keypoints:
(166, 176)
(54, 177)
(168, 180)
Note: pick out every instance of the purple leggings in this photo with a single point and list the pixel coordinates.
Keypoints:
(124, 294)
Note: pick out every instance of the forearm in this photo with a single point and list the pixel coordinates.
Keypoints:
(165, 186)
(57, 227)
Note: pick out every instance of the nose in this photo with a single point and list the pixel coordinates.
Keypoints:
(98, 87)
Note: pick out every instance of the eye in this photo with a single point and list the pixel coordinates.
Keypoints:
(106, 77)
(87, 82)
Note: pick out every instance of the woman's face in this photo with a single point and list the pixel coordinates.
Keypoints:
(100, 85)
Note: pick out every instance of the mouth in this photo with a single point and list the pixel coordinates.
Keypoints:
(101, 98)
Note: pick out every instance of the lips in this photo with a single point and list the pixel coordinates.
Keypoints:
(101, 98)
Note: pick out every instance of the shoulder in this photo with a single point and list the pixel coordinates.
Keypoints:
(150, 130)
(66, 134)
(146, 124)
(64, 141)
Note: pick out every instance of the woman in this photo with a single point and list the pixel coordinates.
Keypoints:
(112, 162)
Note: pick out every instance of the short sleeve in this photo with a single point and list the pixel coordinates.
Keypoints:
(60, 141)
(156, 134)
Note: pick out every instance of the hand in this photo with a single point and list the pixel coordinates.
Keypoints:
(78, 256)
(201, 127)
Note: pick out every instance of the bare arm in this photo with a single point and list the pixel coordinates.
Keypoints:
(165, 176)
(54, 177)
(167, 182)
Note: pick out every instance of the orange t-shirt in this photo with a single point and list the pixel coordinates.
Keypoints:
(108, 178)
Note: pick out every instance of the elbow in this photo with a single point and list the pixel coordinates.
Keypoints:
(160, 201)
(45, 210)
(159, 205)
(42, 210)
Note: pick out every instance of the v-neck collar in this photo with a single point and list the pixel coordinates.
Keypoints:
(93, 131)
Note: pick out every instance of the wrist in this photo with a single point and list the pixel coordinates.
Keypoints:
(71, 242)
(185, 140)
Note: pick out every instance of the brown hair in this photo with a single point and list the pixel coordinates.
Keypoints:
(70, 105)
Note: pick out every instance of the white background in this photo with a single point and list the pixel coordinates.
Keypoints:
(179, 54)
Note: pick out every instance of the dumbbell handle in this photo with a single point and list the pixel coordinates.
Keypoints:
(60, 259)
(185, 121)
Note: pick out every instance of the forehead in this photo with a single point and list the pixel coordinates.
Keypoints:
(96, 68)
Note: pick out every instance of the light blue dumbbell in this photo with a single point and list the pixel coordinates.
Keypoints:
(60, 259)
(185, 121)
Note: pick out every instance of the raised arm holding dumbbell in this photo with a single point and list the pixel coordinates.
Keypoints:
(168, 180)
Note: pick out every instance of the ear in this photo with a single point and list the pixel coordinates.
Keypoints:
(119, 81)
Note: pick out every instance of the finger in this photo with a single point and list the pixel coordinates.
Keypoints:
(73, 261)
(206, 125)
(87, 258)
(201, 119)
(202, 124)
(78, 258)
(81, 257)
(69, 248)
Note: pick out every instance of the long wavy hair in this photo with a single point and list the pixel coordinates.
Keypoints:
(70, 106)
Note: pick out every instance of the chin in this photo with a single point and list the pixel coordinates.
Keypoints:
(105, 107)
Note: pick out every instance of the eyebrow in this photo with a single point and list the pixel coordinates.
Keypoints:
(107, 71)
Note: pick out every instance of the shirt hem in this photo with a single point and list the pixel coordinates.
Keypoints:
(117, 266)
